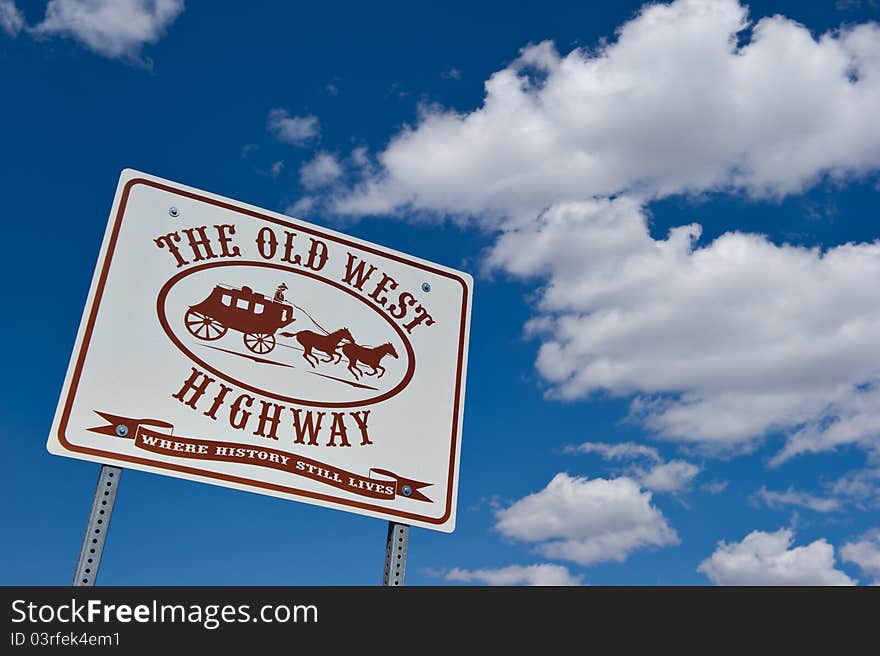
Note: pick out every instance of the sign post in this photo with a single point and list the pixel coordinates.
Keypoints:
(396, 548)
(226, 344)
(97, 527)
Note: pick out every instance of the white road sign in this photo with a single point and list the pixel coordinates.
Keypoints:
(231, 345)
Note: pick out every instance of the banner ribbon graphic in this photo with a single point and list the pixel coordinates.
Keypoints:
(379, 484)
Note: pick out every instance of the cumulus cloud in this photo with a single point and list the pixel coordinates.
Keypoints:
(672, 476)
(792, 497)
(536, 575)
(320, 171)
(768, 559)
(11, 20)
(673, 105)
(587, 521)
(295, 130)
(276, 168)
(719, 343)
(865, 553)
(112, 28)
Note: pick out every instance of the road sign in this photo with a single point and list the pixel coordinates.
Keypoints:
(232, 345)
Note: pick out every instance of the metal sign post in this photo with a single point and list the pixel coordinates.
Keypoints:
(96, 528)
(396, 547)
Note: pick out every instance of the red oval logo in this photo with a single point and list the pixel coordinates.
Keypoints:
(286, 333)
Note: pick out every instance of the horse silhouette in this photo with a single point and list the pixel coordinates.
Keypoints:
(372, 357)
(326, 344)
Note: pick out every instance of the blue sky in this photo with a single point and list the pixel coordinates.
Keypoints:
(649, 402)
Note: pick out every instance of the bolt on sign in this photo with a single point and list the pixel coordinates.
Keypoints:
(231, 345)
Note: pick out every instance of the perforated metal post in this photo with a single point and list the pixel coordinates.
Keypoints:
(395, 554)
(96, 529)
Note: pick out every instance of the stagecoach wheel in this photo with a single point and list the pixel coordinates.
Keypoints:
(203, 326)
(259, 343)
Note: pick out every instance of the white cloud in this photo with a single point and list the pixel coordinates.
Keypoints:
(619, 451)
(360, 157)
(277, 168)
(543, 574)
(112, 28)
(865, 553)
(302, 206)
(320, 171)
(672, 106)
(672, 476)
(861, 487)
(768, 559)
(720, 343)
(587, 521)
(792, 497)
(851, 419)
(715, 487)
(296, 130)
(11, 20)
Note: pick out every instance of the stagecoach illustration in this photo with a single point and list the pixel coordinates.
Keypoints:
(251, 313)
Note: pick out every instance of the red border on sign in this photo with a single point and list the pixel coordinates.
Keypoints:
(93, 313)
